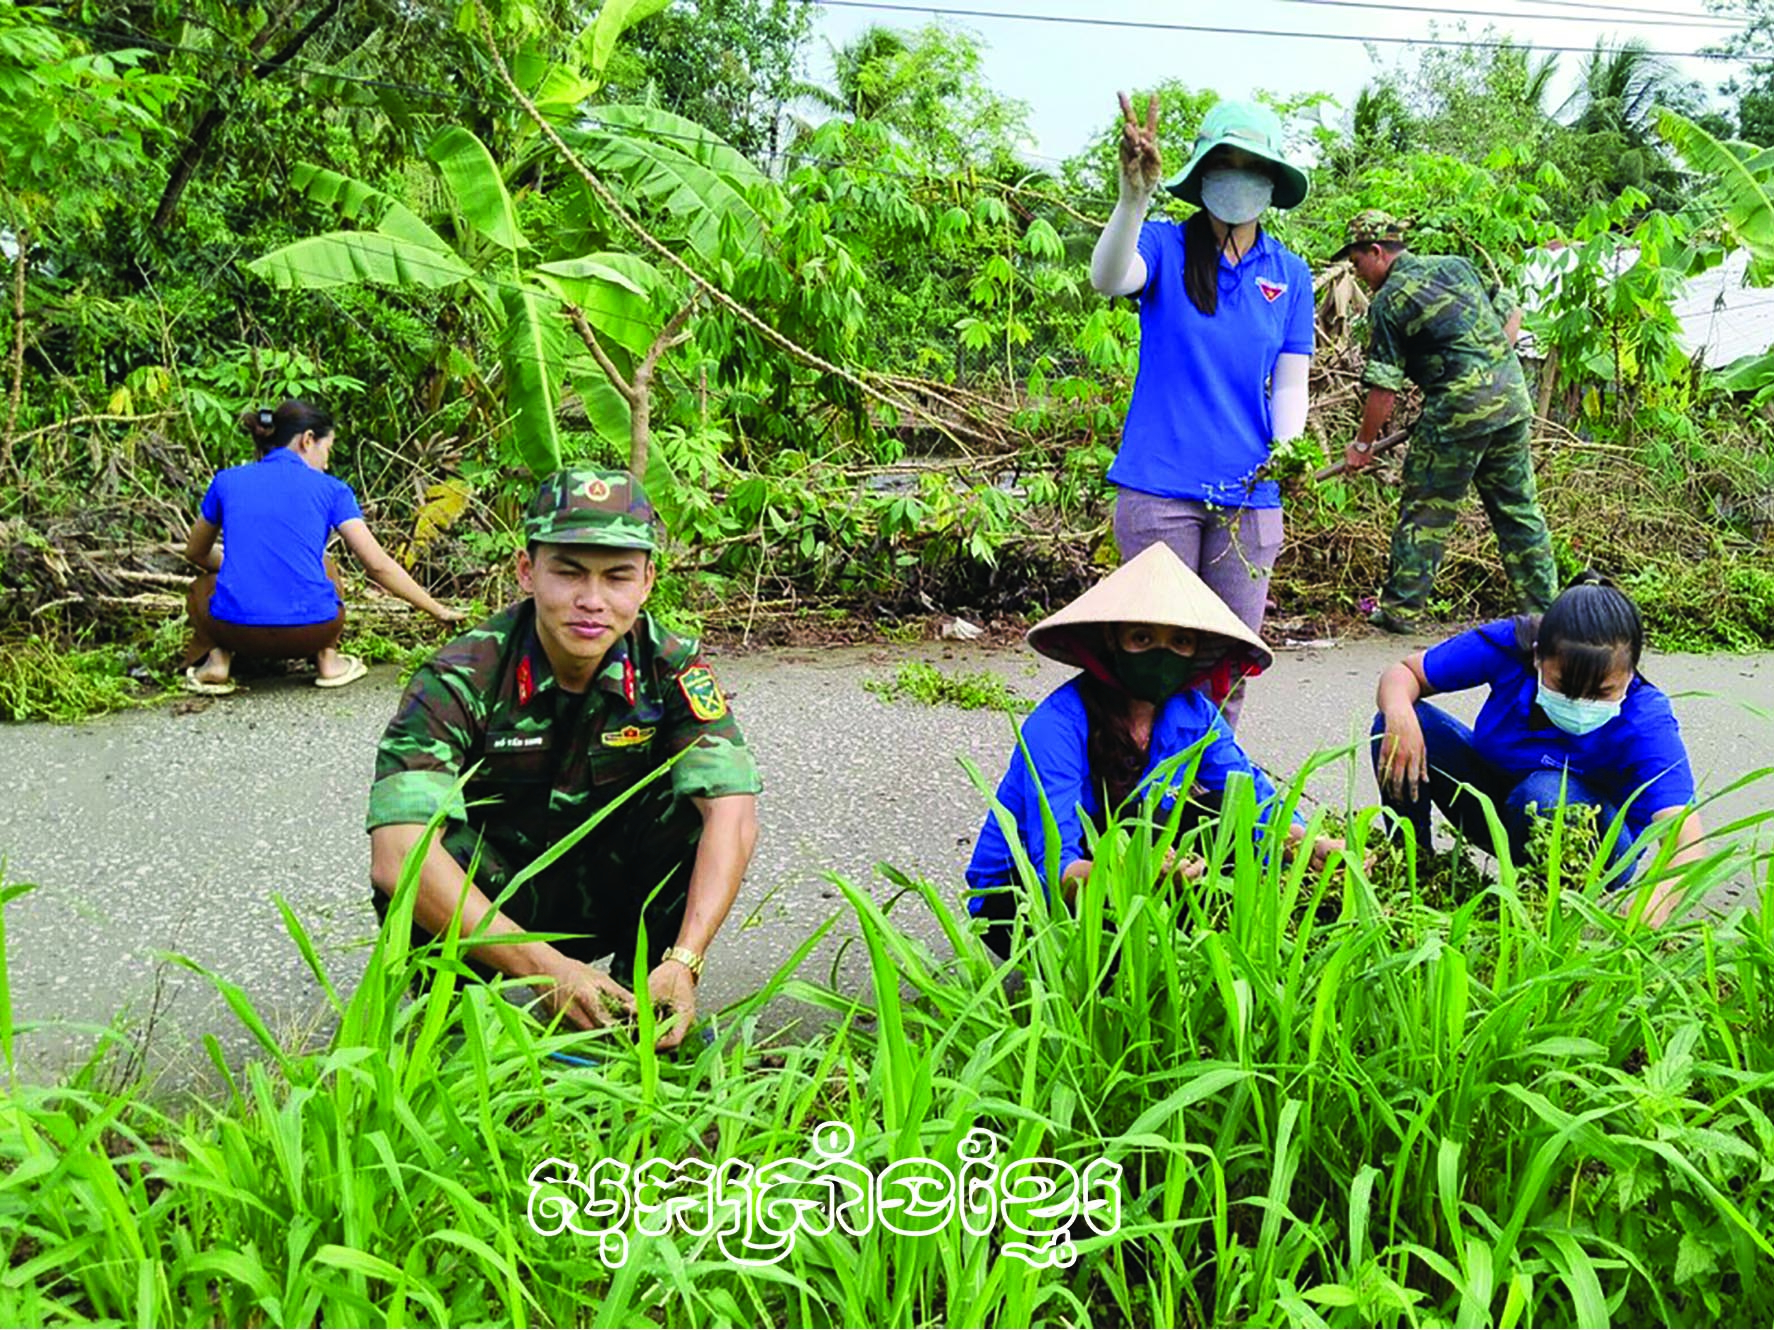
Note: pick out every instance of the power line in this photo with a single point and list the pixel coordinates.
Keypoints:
(1664, 22)
(1148, 25)
(788, 156)
(1704, 17)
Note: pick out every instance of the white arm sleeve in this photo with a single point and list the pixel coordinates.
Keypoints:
(1116, 268)
(1287, 396)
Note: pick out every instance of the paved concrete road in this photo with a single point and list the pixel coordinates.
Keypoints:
(153, 833)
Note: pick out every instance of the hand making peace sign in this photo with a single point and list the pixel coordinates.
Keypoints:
(1140, 163)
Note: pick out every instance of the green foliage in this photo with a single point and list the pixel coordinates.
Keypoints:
(1330, 1099)
(969, 690)
(77, 123)
(925, 90)
(375, 648)
(40, 680)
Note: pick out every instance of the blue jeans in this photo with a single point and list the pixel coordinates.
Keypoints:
(1455, 762)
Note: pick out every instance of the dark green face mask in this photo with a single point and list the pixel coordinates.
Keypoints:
(1153, 675)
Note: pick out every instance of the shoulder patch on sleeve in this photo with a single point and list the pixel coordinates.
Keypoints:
(704, 695)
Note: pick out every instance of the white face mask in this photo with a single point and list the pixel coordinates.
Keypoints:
(1236, 197)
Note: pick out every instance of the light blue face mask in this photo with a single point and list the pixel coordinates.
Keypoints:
(1236, 197)
(1575, 715)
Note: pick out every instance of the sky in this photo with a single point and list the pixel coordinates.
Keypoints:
(1069, 73)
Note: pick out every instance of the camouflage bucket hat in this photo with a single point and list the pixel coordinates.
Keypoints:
(1370, 227)
(1254, 128)
(585, 506)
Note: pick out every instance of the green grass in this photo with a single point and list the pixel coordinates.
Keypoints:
(1334, 1100)
(978, 690)
(40, 680)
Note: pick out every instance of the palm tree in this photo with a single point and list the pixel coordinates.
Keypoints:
(1620, 88)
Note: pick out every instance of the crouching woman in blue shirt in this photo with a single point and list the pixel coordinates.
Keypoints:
(270, 592)
(1568, 718)
(1148, 639)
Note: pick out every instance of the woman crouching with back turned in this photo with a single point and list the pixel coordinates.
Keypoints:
(275, 596)
(1154, 645)
(1569, 719)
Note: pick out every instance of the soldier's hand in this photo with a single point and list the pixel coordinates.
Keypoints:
(673, 990)
(1188, 866)
(587, 999)
(1358, 456)
(1141, 165)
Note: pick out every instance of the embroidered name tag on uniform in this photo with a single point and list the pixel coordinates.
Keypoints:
(704, 695)
(628, 736)
(1272, 291)
(507, 743)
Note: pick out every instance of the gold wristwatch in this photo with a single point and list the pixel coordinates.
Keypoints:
(690, 960)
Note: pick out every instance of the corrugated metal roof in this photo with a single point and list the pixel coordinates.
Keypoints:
(1721, 319)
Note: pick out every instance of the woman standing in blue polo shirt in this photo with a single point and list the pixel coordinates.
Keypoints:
(1226, 336)
(1568, 718)
(275, 595)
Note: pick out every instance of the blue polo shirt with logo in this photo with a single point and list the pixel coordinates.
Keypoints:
(1057, 736)
(1639, 755)
(276, 515)
(1199, 423)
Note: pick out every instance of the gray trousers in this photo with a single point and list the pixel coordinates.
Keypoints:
(1233, 550)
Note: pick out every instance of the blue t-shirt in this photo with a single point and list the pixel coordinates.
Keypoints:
(1057, 734)
(1199, 422)
(275, 515)
(1641, 747)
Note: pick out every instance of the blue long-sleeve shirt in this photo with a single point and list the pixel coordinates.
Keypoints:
(1057, 736)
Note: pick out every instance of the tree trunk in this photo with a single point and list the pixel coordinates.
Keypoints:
(640, 430)
(1548, 378)
(191, 156)
(16, 397)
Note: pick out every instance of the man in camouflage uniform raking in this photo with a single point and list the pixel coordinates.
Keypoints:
(1434, 321)
(557, 707)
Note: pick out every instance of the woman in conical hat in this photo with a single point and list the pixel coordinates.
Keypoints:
(1146, 640)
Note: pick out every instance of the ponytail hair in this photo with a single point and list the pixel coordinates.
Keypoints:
(271, 430)
(1588, 628)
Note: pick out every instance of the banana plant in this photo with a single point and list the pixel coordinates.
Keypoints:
(1744, 187)
(628, 312)
(625, 312)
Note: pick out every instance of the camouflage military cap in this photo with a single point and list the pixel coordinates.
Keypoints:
(585, 506)
(1371, 227)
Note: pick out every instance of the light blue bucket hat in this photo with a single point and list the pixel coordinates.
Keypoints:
(1257, 130)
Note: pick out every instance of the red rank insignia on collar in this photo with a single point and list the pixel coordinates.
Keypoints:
(628, 690)
(526, 682)
(1272, 291)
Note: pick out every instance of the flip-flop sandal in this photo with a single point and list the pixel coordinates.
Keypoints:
(195, 685)
(354, 670)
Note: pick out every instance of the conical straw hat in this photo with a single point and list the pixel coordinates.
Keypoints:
(1153, 587)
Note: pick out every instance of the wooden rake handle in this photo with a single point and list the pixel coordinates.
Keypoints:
(1383, 444)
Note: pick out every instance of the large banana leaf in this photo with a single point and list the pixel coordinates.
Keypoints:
(706, 206)
(347, 258)
(605, 408)
(477, 187)
(1747, 374)
(364, 203)
(1748, 214)
(533, 351)
(615, 18)
(695, 141)
(623, 297)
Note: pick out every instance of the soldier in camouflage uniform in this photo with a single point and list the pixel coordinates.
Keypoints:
(558, 707)
(1435, 322)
